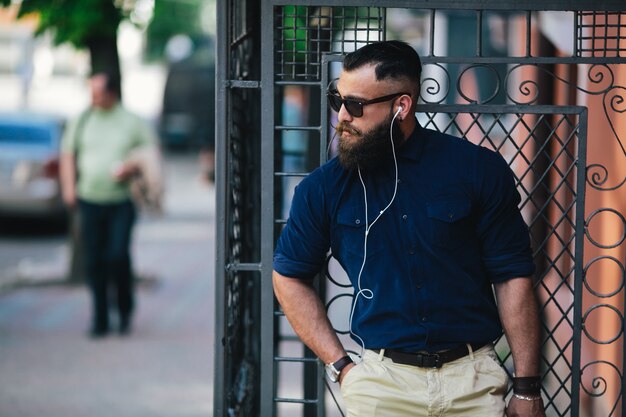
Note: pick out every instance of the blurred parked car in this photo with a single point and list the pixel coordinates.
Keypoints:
(29, 166)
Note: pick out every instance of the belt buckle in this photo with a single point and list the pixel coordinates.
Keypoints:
(429, 360)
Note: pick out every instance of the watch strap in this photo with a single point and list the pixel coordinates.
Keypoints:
(528, 385)
(342, 363)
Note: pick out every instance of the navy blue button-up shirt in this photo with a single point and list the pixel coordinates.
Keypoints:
(453, 229)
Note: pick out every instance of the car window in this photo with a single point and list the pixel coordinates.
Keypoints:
(32, 135)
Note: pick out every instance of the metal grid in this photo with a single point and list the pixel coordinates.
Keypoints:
(305, 33)
(261, 367)
(238, 329)
(518, 134)
(551, 207)
(601, 34)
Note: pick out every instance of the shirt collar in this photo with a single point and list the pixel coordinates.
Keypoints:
(110, 110)
(413, 147)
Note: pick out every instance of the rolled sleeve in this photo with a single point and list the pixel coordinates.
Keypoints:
(304, 242)
(68, 141)
(504, 235)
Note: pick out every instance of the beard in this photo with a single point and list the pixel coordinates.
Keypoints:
(370, 150)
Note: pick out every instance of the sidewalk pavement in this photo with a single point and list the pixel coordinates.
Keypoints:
(49, 367)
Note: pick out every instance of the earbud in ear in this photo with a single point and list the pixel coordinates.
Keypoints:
(400, 108)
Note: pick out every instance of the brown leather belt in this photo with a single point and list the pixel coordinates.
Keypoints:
(430, 360)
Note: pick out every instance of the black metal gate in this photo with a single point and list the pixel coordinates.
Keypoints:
(541, 82)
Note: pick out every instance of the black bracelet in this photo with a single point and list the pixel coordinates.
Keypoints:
(527, 385)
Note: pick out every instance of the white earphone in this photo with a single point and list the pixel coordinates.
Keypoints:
(360, 291)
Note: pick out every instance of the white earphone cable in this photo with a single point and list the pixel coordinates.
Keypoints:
(367, 293)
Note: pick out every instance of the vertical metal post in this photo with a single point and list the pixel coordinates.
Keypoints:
(221, 144)
(528, 33)
(579, 251)
(623, 381)
(479, 33)
(267, 389)
(576, 38)
(431, 41)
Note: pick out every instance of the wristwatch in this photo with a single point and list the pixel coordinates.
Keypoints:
(333, 369)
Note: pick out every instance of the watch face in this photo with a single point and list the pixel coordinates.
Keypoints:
(332, 373)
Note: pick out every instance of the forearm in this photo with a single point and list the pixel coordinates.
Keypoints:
(519, 313)
(306, 314)
(67, 176)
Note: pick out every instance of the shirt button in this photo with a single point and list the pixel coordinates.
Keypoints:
(450, 215)
(404, 217)
(411, 251)
(424, 318)
(418, 286)
(357, 221)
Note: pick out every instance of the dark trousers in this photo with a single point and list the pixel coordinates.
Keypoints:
(106, 235)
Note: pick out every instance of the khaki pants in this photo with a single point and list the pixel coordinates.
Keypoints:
(473, 386)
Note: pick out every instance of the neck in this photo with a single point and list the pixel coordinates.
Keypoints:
(105, 106)
(407, 126)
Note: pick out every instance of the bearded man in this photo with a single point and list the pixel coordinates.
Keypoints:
(426, 226)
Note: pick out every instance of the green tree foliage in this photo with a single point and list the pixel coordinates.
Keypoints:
(74, 21)
(171, 18)
(307, 29)
(88, 24)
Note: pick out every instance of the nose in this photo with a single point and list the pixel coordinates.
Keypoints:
(343, 115)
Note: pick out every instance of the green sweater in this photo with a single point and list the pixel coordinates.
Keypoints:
(106, 139)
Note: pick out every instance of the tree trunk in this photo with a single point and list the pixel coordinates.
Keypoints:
(104, 54)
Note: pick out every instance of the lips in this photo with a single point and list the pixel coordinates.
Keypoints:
(343, 128)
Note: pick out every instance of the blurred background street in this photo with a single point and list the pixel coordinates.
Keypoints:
(48, 366)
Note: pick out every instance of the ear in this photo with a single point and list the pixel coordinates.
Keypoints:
(404, 103)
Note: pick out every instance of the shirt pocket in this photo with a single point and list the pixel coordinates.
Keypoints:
(350, 234)
(448, 222)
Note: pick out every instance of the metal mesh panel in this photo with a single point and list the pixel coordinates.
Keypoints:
(549, 198)
(545, 147)
(239, 345)
(304, 33)
(520, 138)
(241, 332)
(601, 34)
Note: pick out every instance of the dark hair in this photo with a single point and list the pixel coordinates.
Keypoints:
(393, 59)
(114, 81)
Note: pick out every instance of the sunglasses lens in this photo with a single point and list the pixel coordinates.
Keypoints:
(334, 101)
(354, 108)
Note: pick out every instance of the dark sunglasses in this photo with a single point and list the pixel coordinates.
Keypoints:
(355, 107)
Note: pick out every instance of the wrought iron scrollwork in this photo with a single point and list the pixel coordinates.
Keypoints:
(602, 81)
(595, 213)
(597, 176)
(619, 288)
(604, 309)
(599, 384)
(432, 91)
(545, 147)
(528, 89)
(598, 74)
(478, 100)
(616, 101)
(331, 278)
